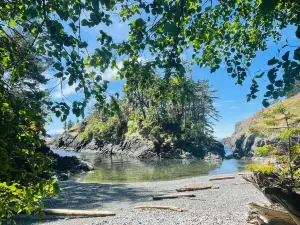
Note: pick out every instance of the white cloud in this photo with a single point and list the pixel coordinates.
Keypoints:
(109, 74)
(55, 131)
(65, 91)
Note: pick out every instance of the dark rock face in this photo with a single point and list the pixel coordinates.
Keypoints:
(130, 146)
(67, 165)
(243, 144)
(137, 147)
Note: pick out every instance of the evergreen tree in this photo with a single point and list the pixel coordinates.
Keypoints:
(70, 124)
(65, 125)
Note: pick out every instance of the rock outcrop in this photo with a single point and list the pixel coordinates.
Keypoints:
(243, 144)
(134, 146)
(65, 166)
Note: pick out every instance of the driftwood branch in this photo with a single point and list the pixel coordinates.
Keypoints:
(278, 191)
(222, 178)
(149, 207)
(160, 197)
(263, 215)
(195, 188)
(78, 213)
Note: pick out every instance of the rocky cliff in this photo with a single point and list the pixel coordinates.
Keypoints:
(134, 146)
(243, 143)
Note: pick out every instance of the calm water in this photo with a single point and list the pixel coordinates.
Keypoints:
(122, 169)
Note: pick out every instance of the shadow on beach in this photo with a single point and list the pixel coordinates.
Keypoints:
(89, 196)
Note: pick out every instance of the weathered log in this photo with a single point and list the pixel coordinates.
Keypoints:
(263, 215)
(221, 178)
(160, 197)
(149, 207)
(277, 191)
(78, 213)
(195, 188)
(288, 199)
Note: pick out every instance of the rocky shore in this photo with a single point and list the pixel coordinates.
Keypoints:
(227, 205)
(135, 146)
(65, 166)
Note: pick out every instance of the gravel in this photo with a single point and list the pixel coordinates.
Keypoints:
(226, 205)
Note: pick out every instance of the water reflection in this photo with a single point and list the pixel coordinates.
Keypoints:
(116, 169)
(122, 169)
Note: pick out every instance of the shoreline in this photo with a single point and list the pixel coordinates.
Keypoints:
(226, 205)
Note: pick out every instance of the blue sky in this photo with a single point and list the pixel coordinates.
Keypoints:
(231, 104)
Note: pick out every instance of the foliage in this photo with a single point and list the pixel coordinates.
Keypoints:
(266, 150)
(182, 114)
(70, 124)
(281, 122)
(107, 129)
(65, 125)
(264, 169)
(25, 177)
(216, 33)
(295, 90)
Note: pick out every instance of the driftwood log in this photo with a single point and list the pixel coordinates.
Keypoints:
(149, 207)
(160, 197)
(278, 191)
(221, 178)
(195, 188)
(263, 215)
(78, 213)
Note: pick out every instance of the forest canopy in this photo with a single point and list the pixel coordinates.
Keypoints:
(216, 33)
(181, 119)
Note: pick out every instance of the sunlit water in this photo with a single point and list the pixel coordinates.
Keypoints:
(124, 169)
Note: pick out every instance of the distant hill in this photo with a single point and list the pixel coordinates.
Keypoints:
(243, 143)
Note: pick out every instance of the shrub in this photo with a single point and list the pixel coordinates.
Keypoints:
(108, 130)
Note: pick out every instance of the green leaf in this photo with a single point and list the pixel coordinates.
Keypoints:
(270, 87)
(5, 105)
(285, 57)
(84, 22)
(272, 75)
(170, 28)
(273, 61)
(298, 31)
(297, 54)
(175, 80)
(12, 22)
(265, 103)
(267, 6)
(260, 75)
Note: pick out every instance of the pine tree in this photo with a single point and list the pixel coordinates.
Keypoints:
(70, 124)
(65, 126)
